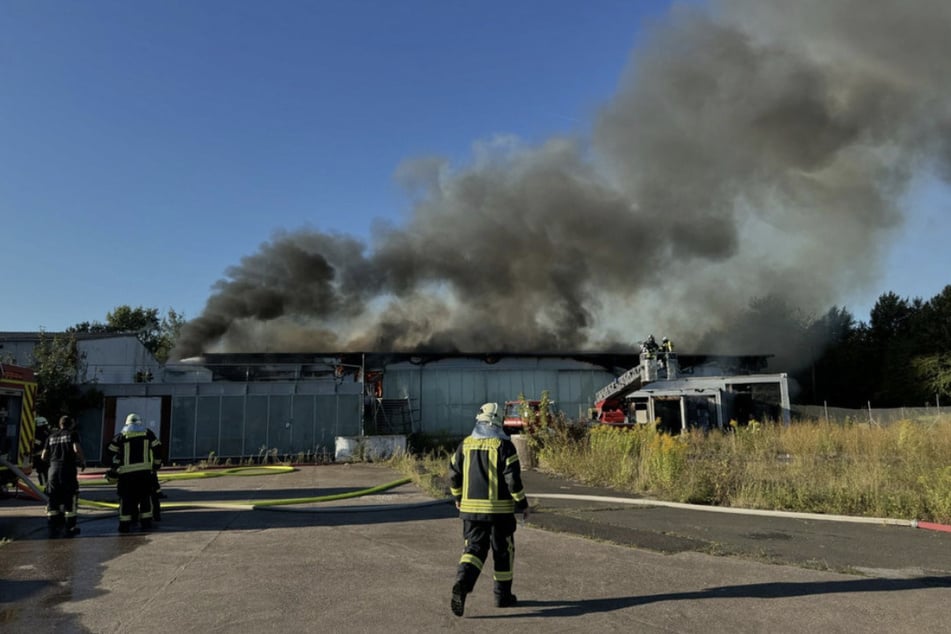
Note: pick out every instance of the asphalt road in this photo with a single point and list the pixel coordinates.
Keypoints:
(386, 562)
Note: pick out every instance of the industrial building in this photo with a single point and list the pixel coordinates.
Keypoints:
(240, 406)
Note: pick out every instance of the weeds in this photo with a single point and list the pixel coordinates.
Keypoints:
(902, 470)
(429, 471)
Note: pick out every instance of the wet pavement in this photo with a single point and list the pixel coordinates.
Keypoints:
(385, 562)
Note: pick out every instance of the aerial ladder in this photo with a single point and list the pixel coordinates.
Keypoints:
(656, 363)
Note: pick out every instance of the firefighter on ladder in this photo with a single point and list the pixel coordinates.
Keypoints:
(486, 481)
(134, 460)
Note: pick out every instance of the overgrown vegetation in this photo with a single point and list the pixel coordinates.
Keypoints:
(899, 471)
(429, 470)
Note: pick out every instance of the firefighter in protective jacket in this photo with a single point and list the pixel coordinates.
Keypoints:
(134, 459)
(40, 466)
(64, 454)
(486, 481)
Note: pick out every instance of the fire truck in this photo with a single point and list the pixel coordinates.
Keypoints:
(708, 396)
(656, 363)
(512, 421)
(17, 420)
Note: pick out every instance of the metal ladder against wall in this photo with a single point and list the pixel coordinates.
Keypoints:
(392, 416)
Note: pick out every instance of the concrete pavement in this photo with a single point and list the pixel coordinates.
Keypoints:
(385, 563)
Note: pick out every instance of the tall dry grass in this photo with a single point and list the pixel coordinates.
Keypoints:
(898, 471)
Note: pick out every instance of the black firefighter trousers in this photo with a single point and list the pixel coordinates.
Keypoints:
(497, 534)
(135, 499)
(62, 489)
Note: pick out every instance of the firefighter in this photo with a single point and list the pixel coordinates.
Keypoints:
(157, 494)
(63, 453)
(133, 452)
(40, 466)
(486, 481)
(667, 345)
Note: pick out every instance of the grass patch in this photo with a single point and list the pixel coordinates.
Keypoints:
(429, 470)
(898, 471)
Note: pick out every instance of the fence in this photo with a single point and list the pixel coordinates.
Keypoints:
(869, 415)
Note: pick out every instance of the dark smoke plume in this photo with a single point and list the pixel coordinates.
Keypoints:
(756, 149)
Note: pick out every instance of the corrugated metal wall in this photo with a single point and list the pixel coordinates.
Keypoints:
(446, 394)
(236, 419)
(252, 424)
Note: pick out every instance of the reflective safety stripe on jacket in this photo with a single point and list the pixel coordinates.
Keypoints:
(133, 451)
(485, 477)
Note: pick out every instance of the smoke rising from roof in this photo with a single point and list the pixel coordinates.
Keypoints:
(754, 150)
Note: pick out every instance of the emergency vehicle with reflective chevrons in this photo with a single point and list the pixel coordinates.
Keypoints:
(17, 419)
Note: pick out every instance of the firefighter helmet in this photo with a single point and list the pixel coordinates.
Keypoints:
(41, 421)
(131, 419)
(489, 413)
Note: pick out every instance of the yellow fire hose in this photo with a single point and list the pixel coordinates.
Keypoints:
(242, 471)
(253, 470)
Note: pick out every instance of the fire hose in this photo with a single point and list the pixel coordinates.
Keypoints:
(252, 470)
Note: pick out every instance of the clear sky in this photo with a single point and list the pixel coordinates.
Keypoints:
(145, 147)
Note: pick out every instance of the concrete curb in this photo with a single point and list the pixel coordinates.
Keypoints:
(741, 511)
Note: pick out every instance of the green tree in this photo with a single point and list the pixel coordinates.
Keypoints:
(890, 343)
(58, 364)
(169, 329)
(934, 370)
(832, 374)
(157, 334)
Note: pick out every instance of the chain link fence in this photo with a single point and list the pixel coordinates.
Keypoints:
(869, 415)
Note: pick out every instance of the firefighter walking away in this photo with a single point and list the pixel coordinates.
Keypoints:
(63, 453)
(134, 461)
(486, 481)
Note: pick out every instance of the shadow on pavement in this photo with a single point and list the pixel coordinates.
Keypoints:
(105, 523)
(747, 591)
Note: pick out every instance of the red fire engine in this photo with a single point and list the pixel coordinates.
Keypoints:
(17, 420)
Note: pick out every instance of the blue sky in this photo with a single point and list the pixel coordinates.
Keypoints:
(147, 147)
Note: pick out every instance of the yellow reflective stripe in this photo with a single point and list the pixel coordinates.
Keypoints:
(507, 575)
(511, 459)
(518, 496)
(493, 475)
(134, 468)
(455, 492)
(484, 506)
(147, 458)
(471, 559)
(465, 474)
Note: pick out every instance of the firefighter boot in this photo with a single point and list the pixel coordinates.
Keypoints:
(54, 525)
(458, 603)
(466, 576)
(71, 529)
(503, 595)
